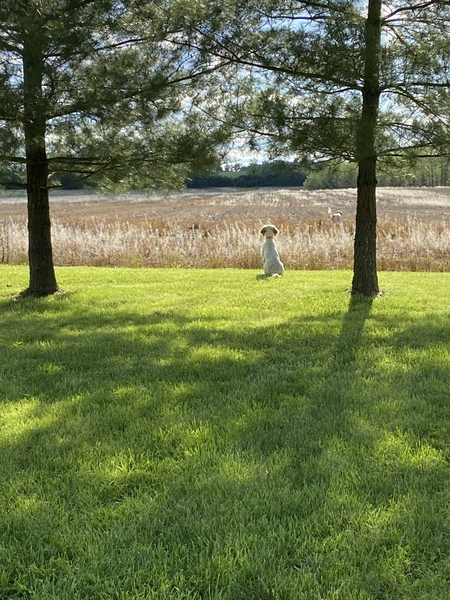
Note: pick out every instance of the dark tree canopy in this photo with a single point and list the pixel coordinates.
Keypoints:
(113, 86)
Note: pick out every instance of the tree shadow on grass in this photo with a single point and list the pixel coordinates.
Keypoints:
(166, 452)
(362, 452)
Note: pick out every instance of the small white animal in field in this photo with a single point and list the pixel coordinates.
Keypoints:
(336, 217)
(273, 267)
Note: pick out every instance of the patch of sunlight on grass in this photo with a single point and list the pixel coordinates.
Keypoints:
(400, 448)
(20, 418)
(218, 353)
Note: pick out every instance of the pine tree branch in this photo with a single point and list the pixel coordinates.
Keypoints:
(415, 7)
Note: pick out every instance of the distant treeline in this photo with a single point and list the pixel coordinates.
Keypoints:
(266, 174)
(426, 172)
(247, 181)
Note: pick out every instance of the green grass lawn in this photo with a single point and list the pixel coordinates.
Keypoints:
(188, 434)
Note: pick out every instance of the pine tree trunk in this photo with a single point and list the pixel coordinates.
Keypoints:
(40, 255)
(365, 278)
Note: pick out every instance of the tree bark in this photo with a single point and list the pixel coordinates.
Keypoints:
(40, 254)
(365, 278)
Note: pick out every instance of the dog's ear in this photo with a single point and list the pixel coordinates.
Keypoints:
(263, 230)
(274, 229)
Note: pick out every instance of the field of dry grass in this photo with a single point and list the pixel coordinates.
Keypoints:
(219, 228)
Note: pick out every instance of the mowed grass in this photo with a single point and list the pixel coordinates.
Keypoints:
(195, 434)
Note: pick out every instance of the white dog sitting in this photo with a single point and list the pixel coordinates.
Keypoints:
(273, 267)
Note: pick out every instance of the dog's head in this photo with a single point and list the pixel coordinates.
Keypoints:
(269, 231)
